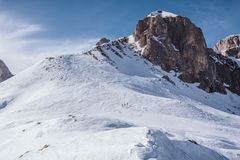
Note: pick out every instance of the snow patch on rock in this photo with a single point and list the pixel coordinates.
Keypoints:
(162, 14)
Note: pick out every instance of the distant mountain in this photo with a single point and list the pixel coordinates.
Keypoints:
(227, 62)
(142, 97)
(229, 46)
(4, 71)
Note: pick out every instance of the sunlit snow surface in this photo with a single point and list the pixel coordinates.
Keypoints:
(113, 104)
(162, 14)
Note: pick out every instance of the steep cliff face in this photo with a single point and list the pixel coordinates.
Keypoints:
(175, 43)
(4, 72)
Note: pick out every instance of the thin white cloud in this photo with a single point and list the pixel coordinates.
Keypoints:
(12, 28)
(19, 51)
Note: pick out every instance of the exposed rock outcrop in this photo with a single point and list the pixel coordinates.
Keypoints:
(226, 58)
(4, 72)
(229, 46)
(102, 41)
(175, 43)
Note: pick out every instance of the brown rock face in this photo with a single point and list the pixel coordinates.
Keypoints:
(102, 41)
(4, 72)
(174, 43)
(229, 46)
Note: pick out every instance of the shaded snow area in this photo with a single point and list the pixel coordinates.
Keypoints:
(110, 103)
(237, 60)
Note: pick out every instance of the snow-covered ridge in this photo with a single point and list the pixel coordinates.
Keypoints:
(162, 14)
(111, 103)
(231, 36)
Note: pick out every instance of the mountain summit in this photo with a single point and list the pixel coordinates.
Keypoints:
(175, 43)
(162, 14)
(229, 46)
(134, 98)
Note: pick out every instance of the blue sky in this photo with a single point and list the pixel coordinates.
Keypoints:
(69, 23)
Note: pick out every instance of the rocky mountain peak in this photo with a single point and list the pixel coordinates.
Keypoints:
(102, 41)
(4, 71)
(229, 46)
(227, 62)
(174, 43)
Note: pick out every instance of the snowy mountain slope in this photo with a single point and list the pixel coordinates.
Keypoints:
(110, 103)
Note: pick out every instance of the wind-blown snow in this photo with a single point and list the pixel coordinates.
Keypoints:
(111, 103)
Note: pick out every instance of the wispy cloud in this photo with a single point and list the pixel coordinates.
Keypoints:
(19, 50)
(11, 28)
